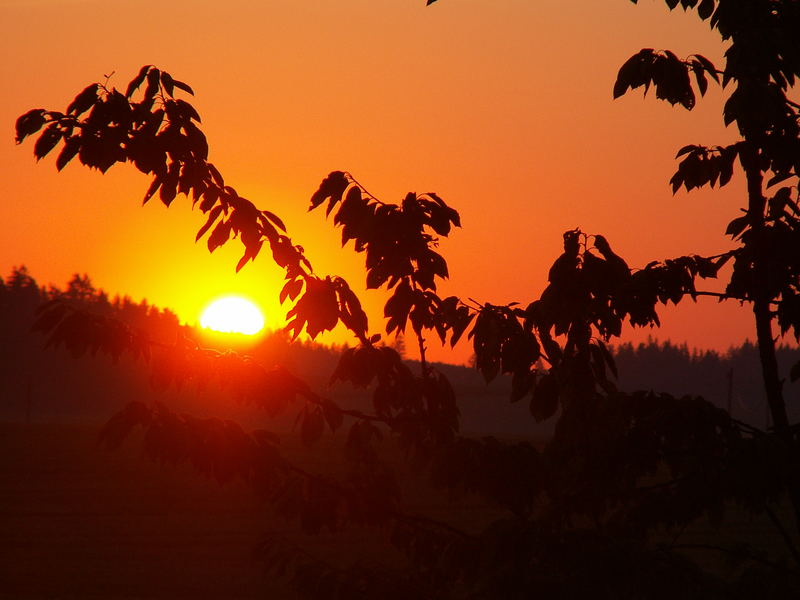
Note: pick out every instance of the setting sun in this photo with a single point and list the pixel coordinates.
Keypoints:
(233, 314)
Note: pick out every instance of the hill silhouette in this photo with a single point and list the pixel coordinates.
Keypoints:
(46, 384)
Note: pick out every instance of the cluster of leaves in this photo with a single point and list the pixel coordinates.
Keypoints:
(668, 74)
(399, 242)
(591, 293)
(762, 62)
(422, 409)
(704, 166)
(394, 238)
(324, 303)
(776, 243)
(160, 136)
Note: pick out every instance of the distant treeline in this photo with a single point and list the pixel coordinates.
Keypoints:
(731, 380)
(46, 384)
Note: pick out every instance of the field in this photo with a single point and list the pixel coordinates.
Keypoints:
(77, 521)
(80, 522)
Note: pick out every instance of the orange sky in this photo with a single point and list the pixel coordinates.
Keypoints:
(502, 107)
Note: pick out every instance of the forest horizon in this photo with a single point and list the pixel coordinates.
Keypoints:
(40, 369)
(207, 337)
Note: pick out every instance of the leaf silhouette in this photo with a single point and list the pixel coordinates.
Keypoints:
(47, 141)
(71, 148)
(84, 100)
(137, 81)
(29, 123)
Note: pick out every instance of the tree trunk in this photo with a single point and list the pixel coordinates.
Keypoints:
(762, 299)
(773, 386)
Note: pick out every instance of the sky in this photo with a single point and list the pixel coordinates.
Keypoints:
(504, 108)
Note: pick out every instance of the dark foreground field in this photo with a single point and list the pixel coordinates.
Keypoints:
(77, 521)
(80, 522)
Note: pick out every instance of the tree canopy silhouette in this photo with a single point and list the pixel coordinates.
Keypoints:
(578, 515)
(761, 63)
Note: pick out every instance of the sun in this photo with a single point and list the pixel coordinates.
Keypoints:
(232, 314)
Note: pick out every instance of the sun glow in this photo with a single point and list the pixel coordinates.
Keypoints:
(232, 314)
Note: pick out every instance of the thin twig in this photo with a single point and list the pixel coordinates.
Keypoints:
(363, 189)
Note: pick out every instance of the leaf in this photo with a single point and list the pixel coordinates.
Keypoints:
(243, 260)
(737, 226)
(779, 177)
(376, 278)
(333, 186)
(708, 66)
(154, 185)
(728, 157)
(210, 197)
(212, 216)
(29, 123)
(275, 219)
(216, 176)
(68, 152)
(169, 185)
(671, 76)
(290, 290)
(188, 110)
(166, 82)
(84, 101)
(705, 9)
(183, 86)
(460, 326)
(700, 77)
(624, 77)
(722, 260)
(353, 206)
(47, 141)
(686, 150)
(633, 73)
(219, 236)
(137, 81)
(153, 78)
